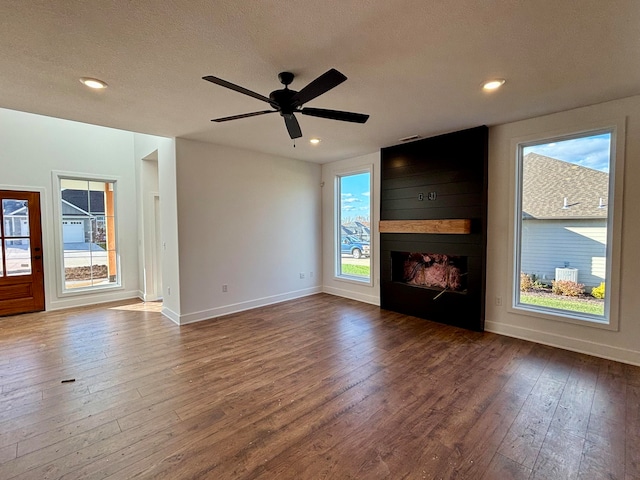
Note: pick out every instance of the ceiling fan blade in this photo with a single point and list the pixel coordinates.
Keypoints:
(335, 115)
(236, 88)
(325, 82)
(292, 126)
(242, 115)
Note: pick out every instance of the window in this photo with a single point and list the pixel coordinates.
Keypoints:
(353, 205)
(564, 227)
(88, 233)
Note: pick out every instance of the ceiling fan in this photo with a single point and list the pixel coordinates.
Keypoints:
(287, 102)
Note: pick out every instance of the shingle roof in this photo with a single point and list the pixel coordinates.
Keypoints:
(80, 199)
(548, 181)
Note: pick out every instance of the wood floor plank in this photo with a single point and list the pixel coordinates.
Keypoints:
(574, 407)
(504, 468)
(51, 453)
(633, 410)
(319, 387)
(598, 462)
(8, 452)
(560, 456)
(32, 424)
(527, 434)
(90, 456)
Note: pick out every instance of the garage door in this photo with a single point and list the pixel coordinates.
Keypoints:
(72, 231)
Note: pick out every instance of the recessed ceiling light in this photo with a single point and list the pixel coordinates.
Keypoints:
(93, 83)
(314, 141)
(493, 84)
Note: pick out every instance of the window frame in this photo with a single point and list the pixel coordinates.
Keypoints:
(337, 217)
(57, 177)
(610, 321)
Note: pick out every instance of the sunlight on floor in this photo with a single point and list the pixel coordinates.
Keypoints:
(141, 307)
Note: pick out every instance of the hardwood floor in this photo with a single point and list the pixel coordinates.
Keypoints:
(320, 387)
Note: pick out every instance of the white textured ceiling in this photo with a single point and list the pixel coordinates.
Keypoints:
(414, 65)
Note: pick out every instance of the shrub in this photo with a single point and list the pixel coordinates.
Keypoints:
(538, 285)
(598, 292)
(567, 288)
(526, 283)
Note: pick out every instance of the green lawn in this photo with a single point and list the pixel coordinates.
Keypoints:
(563, 303)
(357, 270)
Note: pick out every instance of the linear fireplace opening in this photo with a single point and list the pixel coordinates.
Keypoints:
(434, 271)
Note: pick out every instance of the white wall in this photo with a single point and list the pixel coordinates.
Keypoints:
(246, 220)
(621, 344)
(32, 146)
(169, 228)
(331, 284)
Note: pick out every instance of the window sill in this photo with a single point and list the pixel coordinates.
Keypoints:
(354, 280)
(564, 317)
(90, 290)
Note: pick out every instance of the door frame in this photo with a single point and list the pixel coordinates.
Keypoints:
(46, 216)
(38, 246)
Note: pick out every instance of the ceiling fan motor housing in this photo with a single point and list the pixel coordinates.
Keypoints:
(282, 100)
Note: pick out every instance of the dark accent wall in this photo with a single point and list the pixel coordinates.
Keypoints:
(443, 177)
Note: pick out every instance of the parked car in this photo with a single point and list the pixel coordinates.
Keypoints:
(355, 247)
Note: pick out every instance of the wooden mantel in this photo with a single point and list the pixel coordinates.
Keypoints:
(453, 226)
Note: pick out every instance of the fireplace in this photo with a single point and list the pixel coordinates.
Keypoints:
(441, 272)
(433, 228)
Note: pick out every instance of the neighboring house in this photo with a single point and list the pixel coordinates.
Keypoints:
(81, 215)
(16, 222)
(564, 215)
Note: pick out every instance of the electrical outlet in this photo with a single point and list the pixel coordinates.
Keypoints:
(301, 275)
(224, 288)
(310, 274)
(498, 301)
(169, 291)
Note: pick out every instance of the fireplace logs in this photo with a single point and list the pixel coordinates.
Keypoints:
(434, 270)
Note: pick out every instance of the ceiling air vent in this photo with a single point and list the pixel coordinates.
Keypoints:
(409, 138)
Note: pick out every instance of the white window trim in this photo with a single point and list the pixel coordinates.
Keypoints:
(337, 237)
(617, 127)
(56, 176)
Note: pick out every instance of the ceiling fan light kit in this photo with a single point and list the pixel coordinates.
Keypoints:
(287, 102)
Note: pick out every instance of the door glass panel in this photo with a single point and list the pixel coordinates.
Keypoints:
(18, 257)
(16, 217)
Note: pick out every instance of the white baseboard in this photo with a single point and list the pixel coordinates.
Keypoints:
(171, 315)
(186, 318)
(361, 297)
(567, 343)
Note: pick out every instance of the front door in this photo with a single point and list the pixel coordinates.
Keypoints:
(21, 275)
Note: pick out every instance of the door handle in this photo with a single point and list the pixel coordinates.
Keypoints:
(37, 257)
